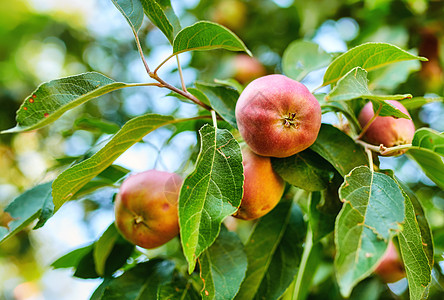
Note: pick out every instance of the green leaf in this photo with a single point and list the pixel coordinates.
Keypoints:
(140, 282)
(73, 258)
(211, 192)
(339, 149)
(391, 76)
(52, 99)
(372, 212)
(206, 35)
(301, 57)
(354, 85)
(195, 92)
(170, 14)
(223, 266)
(417, 102)
(343, 107)
(92, 124)
(388, 110)
(74, 178)
(262, 247)
(230, 82)
(306, 170)
(32, 204)
(178, 289)
(431, 163)
(156, 14)
(103, 247)
(368, 56)
(419, 272)
(223, 100)
(286, 259)
(429, 139)
(132, 10)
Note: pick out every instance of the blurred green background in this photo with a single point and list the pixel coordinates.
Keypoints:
(42, 40)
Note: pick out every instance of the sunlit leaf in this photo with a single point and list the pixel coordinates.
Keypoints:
(103, 247)
(372, 212)
(354, 85)
(156, 14)
(32, 204)
(223, 100)
(132, 10)
(417, 102)
(211, 192)
(223, 266)
(301, 57)
(206, 35)
(74, 178)
(368, 56)
(429, 139)
(52, 99)
(431, 163)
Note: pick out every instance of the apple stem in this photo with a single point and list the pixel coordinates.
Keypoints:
(382, 149)
(184, 88)
(369, 123)
(370, 159)
(213, 115)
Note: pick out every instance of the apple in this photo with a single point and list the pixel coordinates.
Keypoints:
(230, 13)
(263, 187)
(390, 269)
(387, 131)
(277, 116)
(246, 68)
(146, 208)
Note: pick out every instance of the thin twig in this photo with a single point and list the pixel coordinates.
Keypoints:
(161, 64)
(213, 115)
(184, 88)
(370, 158)
(139, 48)
(381, 149)
(369, 123)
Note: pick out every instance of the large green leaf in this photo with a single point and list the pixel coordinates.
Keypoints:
(140, 282)
(419, 272)
(52, 99)
(354, 85)
(306, 170)
(417, 102)
(32, 204)
(211, 192)
(156, 14)
(372, 212)
(223, 266)
(178, 289)
(429, 139)
(132, 10)
(339, 149)
(431, 163)
(206, 35)
(74, 178)
(262, 247)
(301, 57)
(286, 259)
(223, 100)
(73, 258)
(170, 14)
(368, 56)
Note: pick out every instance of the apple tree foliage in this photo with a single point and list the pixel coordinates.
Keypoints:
(337, 216)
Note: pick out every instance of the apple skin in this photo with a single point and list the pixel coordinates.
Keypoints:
(278, 116)
(390, 269)
(247, 68)
(263, 187)
(146, 208)
(387, 131)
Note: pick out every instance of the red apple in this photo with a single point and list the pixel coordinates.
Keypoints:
(247, 68)
(278, 116)
(263, 187)
(390, 269)
(387, 131)
(146, 208)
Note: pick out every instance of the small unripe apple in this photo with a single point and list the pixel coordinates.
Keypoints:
(230, 13)
(263, 187)
(390, 269)
(387, 131)
(278, 116)
(247, 68)
(146, 208)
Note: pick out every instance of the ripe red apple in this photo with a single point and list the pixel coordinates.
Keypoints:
(146, 208)
(246, 68)
(263, 187)
(278, 116)
(390, 268)
(387, 131)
